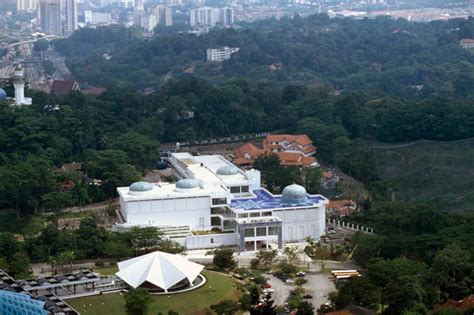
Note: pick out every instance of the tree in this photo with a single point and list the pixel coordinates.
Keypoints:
(267, 257)
(287, 268)
(225, 307)
(305, 308)
(67, 258)
(113, 168)
(137, 301)
(145, 238)
(292, 253)
(53, 262)
(141, 150)
(19, 265)
(41, 45)
(357, 291)
(452, 272)
(224, 258)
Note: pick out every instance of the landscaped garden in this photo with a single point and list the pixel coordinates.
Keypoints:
(217, 288)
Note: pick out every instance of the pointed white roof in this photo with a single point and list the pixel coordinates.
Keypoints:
(161, 269)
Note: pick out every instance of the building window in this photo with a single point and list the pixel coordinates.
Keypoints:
(229, 224)
(249, 232)
(235, 190)
(243, 215)
(219, 201)
(245, 189)
(272, 230)
(267, 214)
(215, 221)
(262, 231)
(212, 241)
(254, 214)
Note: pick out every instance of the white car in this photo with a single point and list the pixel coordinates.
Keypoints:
(289, 281)
(269, 290)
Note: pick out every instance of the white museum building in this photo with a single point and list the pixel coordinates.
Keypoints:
(215, 204)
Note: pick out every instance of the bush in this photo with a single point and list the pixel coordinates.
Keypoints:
(300, 281)
(100, 263)
(224, 258)
(286, 268)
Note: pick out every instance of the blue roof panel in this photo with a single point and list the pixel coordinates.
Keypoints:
(264, 200)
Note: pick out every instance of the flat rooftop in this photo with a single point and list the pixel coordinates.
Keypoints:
(204, 167)
(264, 200)
(169, 191)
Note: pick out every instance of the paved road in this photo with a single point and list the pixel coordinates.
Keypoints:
(319, 285)
(282, 290)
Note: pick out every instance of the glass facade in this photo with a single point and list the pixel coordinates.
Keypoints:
(12, 303)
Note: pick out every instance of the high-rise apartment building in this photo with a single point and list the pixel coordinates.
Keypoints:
(208, 16)
(204, 16)
(71, 17)
(26, 5)
(50, 16)
(226, 16)
(163, 14)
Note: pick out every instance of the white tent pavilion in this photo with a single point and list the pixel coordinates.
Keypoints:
(158, 270)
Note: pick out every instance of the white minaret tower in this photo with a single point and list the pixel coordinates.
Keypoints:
(19, 84)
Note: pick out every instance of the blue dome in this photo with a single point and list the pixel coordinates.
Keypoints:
(3, 95)
(227, 170)
(294, 195)
(187, 184)
(141, 186)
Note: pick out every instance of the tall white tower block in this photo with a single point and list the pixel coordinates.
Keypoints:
(19, 85)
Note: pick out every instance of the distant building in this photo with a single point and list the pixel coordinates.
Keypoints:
(341, 208)
(467, 43)
(163, 14)
(226, 16)
(148, 22)
(50, 16)
(71, 17)
(62, 88)
(19, 85)
(26, 5)
(95, 18)
(204, 16)
(220, 54)
(209, 16)
(293, 150)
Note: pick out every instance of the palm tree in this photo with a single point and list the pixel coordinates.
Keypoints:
(53, 262)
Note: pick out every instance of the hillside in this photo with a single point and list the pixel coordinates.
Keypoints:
(436, 171)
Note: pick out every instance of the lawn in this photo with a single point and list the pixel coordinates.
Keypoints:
(438, 171)
(217, 288)
(107, 271)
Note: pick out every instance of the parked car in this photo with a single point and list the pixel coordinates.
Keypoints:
(289, 280)
(300, 274)
(269, 290)
(266, 286)
(307, 296)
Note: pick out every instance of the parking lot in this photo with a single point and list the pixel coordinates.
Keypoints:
(319, 286)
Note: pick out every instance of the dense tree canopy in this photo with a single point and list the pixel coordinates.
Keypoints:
(395, 56)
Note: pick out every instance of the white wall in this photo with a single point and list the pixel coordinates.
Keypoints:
(218, 240)
(298, 224)
(194, 212)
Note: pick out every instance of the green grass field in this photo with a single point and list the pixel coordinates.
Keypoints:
(440, 172)
(217, 288)
(107, 271)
